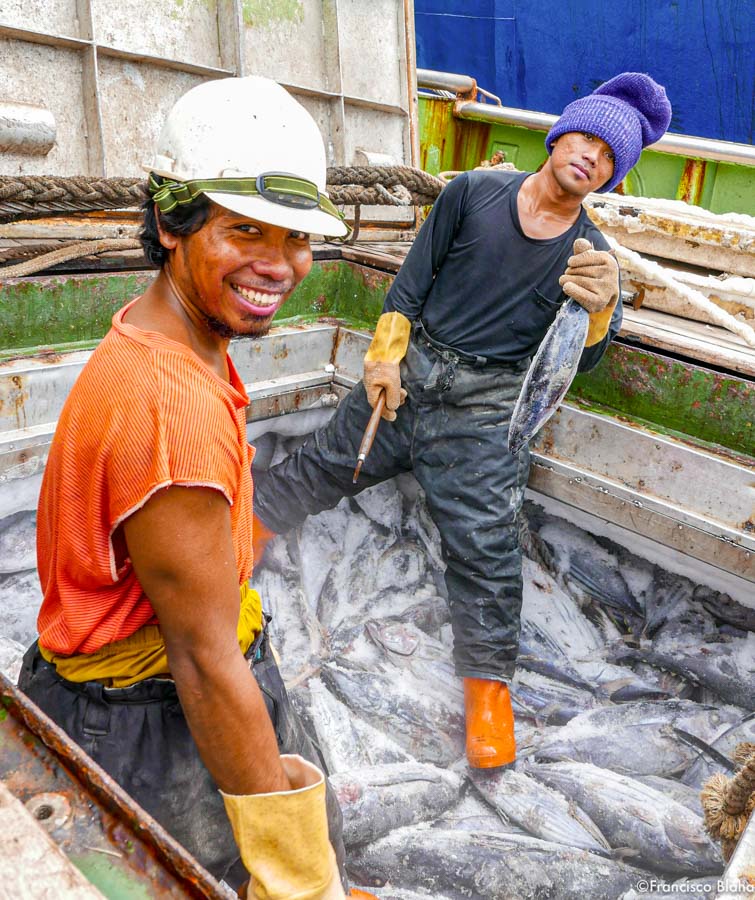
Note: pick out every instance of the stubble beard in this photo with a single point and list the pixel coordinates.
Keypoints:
(224, 330)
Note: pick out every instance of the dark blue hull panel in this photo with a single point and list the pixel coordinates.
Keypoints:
(541, 54)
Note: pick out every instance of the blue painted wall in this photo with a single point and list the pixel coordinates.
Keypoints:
(541, 54)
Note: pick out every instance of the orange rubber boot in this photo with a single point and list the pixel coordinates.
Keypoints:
(261, 537)
(356, 894)
(490, 723)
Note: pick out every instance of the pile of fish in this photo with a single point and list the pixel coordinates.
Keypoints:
(633, 687)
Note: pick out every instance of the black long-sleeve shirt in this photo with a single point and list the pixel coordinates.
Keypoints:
(478, 283)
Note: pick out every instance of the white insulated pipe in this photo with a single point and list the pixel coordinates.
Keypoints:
(676, 144)
(25, 128)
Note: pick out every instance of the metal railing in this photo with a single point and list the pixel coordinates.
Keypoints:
(675, 144)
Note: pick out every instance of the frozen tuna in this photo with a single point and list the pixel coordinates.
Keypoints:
(664, 835)
(378, 799)
(551, 372)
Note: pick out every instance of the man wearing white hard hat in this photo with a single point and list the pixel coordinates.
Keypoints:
(152, 652)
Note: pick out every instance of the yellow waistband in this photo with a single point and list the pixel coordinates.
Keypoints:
(142, 654)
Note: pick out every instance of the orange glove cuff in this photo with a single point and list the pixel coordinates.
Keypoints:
(391, 339)
(599, 324)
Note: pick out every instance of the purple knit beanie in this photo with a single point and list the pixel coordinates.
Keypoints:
(628, 112)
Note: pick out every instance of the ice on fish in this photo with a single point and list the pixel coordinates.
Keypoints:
(727, 668)
(422, 721)
(547, 701)
(382, 503)
(636, 738)
(480, 866)
(703, 766)
(11, 656)
(294, 631)
(589, 569)
(556, 615)
(20, 599)
(347, 742)
(677, 790)
(376, 800)
(472, 813)
(665, 835)
(619, 683)
(18, 542)
(539, 810)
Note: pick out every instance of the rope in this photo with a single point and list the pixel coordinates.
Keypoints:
(32, 196)
(729, 802)
(652, 270)
(65, 253)
(25, 197)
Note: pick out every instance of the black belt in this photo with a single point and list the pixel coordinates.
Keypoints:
(449, 353)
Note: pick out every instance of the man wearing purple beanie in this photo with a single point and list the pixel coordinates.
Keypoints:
(490, 268)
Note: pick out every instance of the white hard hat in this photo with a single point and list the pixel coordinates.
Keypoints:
(262, 143)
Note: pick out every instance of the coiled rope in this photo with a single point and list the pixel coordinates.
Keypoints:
(728, 803)
(30, 197)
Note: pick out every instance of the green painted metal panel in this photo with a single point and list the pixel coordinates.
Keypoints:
(671, 396)
(72, 312)
(57, 314)
(345, 291)
(451, 144)
(65, 309)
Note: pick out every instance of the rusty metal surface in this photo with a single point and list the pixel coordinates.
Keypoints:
(676, 231)
(112, 840)
(692, 182)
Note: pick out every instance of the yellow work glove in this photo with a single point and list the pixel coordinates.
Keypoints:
(283, 838)
(382, 362)
(592, 279)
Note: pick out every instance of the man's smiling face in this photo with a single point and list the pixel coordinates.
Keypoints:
(237, 272)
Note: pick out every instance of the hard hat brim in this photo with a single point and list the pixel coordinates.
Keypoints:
(310, 221)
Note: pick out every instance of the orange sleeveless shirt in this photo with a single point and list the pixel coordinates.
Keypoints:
(145, 413)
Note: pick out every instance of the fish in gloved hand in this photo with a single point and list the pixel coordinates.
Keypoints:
(591, 282)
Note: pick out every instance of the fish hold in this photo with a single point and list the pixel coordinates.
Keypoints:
(376, 800)
(393, 893)
(666, 836)
(423, 722)
(465, 866)
(551, 372)
(539, 810)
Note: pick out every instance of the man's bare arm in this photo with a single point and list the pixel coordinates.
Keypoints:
(182, 552)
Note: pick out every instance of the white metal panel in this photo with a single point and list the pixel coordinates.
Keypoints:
(135, 100)
(51, 16)
(286, 41)
(174, 29)
(373, 51)
(50, 77)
